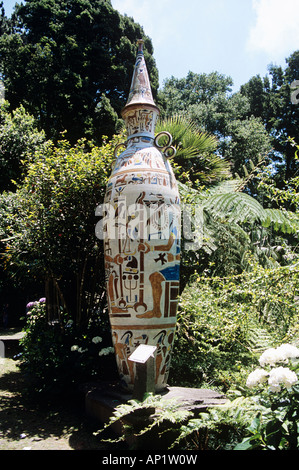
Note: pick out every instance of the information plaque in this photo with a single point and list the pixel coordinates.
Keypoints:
(142, 353)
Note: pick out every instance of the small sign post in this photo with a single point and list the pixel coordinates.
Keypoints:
(143, 356)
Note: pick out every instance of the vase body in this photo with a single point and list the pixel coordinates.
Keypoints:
(142, 248)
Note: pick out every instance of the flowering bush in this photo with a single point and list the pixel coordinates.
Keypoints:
(95, 340)
(59, 358)
(222, 321)
(276, 426)
(279, 375)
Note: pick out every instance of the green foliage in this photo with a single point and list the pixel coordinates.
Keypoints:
(286, 197)
(50, 230)
(195, 160)
(275, 426)
(227, 225)
(153, 423)
(208, 102)
(70, 64)
(267, 421)
(271, 101)
(223, 322)
(242, 208)
(248, 141)
(220, 428)
(178, 94)
(19, 139)
(161, 423)
(210, 338)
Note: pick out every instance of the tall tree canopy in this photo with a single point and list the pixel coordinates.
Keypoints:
(271, 101)
(207, 99)
(70, 62)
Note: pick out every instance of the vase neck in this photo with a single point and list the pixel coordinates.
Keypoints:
(140, 113)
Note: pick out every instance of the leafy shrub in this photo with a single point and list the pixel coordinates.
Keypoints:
(49, 225)
(224, 322)
(161, 423)
(275, 426)
(153, 423)
(19, 138)
(210, 340)
(58, 359)
(267, 421)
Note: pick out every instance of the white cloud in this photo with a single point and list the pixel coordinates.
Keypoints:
(276, 31)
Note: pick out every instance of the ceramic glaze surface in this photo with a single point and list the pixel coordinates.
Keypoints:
(142, 240)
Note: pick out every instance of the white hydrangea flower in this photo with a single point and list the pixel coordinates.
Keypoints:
(96, 339)
(106, 351)
(274, 355)
(288, 351)
(256, 377)
(274, 387)
(281, 376)
(271, 356)
(75, 347)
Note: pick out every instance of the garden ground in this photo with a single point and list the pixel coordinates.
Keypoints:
(28, 424)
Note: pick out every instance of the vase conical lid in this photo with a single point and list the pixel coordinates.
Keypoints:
(140, 94)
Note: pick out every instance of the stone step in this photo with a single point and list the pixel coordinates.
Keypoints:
(101, 400)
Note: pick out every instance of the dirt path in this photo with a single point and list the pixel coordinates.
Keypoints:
(25, 425)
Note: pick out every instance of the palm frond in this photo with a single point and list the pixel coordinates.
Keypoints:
(195, 150)
(188, 140)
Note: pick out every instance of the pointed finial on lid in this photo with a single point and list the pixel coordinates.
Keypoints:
(140, 45)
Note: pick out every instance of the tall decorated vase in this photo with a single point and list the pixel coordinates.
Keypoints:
(142, 236)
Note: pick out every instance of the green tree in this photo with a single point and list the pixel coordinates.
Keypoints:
(19, 138)
(248, 144)
(200, 96)
(66, 61)
(271, 101)
(5, 23)
(207, 100)
(257, 91)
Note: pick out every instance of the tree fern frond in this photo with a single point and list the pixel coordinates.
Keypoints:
(226, 186)
(234, 207)
(259, 338)
(240, 208)
(280, 220)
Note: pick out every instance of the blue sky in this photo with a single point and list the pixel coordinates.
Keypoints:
(239, 38)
